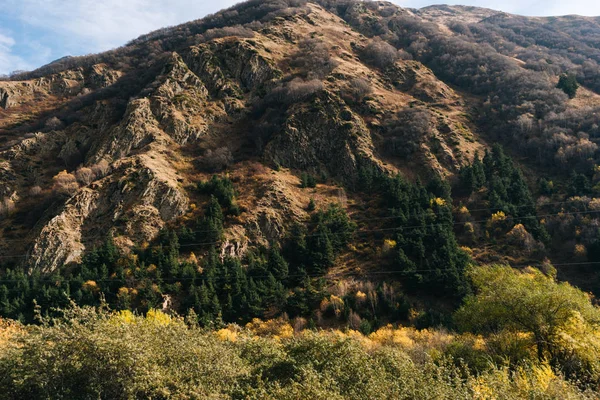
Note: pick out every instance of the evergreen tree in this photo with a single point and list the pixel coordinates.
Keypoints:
(212, 224)
(579, 185)
(440, 188)
(321, 250)
(568, 84)
(277, 264)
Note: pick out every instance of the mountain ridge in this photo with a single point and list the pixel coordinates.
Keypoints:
(294, 106)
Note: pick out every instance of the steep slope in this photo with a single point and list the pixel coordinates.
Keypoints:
(363, 156)
(200, 98)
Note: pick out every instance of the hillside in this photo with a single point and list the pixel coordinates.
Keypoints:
(285, 156)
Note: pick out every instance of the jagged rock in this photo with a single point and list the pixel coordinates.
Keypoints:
(138, 128)
(228, 68)
(178, 102)
(202, 98)
(419, 81)
(6, 100)
(141, 191)
(325, 136)
(59, 242)
(101, 76)
(276, 209)
(236, 243)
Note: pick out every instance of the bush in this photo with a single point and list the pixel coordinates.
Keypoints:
(380, 53)
(295, 91)
(101, 169)
(313, 59)
(216, 160)
(307, 181)
(236, 30)
(53, 124)
(568, 84)
(118, 355)
(358, 89)
(221, 188)
(84, 176)
(65, 183)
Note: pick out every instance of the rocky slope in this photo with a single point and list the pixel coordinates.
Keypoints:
(143, 152)
(115, 143)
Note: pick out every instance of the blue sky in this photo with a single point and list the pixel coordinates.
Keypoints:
(35, 32)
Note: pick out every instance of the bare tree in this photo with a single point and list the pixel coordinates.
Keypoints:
(358, 89)
(53, 124)
(101, 169)
(84, 176)
(35, 191)
(217, 160)
(380, 53)
(65, 183)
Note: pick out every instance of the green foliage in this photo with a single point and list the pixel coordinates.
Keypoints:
(221, 188)
(506, 189)
(98, 354)
(440, 188)
(568, 84)
(579, 185)
(91, 355)
(531, 302)
(217, 289)
(314, 250)
(546, 187)
(307, 181)
(427, 251)
(211, 225)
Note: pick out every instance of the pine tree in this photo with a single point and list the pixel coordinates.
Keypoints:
(440, 188)
(568, 84)
(212, 223)
(321, 251)
(277, 264)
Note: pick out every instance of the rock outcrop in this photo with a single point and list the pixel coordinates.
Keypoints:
(324, 135)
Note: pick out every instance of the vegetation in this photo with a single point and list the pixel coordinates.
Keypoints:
(359, 283)
(558, 319)
(158, 355)
(568, 84)
(505, 189)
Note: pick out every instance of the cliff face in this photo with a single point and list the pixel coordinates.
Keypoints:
(117, 144)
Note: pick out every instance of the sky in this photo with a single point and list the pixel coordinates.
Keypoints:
(36, 32)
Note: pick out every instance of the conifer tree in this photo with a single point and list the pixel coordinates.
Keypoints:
(277, 264)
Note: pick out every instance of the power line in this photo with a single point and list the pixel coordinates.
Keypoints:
(364, 231)
(372, 218)
(387, 272)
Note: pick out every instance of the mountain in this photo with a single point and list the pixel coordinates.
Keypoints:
(248, 163)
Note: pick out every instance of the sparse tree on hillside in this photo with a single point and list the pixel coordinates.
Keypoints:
(101, 169)
(84, 176)
(568, 84)
(65, 183)
(358, 89)
(53, 124)
(380, 53)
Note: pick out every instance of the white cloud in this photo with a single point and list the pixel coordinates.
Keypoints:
(522, 7)
(50, 29)
(8, 60)
(92, 25)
